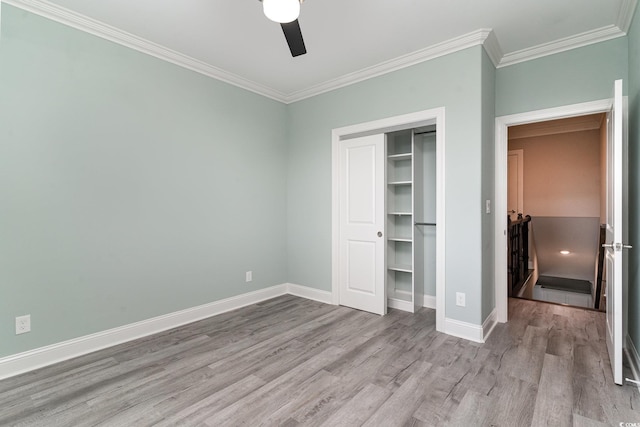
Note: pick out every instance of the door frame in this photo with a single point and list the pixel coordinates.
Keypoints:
(501, 148)
(435, 116)
(519, 153)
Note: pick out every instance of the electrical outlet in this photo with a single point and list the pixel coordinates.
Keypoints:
(248, 276)
(487, 206)
(23, 324)
(460, 299)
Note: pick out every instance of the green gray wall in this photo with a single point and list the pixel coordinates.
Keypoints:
(453, 81)
(488, 185)
(129, 187)
(634, 181)
(578, 75)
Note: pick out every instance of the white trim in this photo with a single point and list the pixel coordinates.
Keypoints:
(48, 355)
(309, 293)
(572, 42)
(500, 237)
(625, 15)
(400, 304)
(489, 324)
(407, 121)
(89, 25)
(493, 49)
(483, 36)
(465, 330)
(97, 28)
(429, 301)
(447, 47)
(633, 358)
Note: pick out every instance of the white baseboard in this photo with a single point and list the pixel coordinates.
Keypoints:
(400, 304)
(489, 323)
(309, 293)
(429, 301)
(465, 330)
(633, 358)
(33, 359)
(48, 355)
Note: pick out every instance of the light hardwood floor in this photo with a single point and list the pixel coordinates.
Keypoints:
(291, 361)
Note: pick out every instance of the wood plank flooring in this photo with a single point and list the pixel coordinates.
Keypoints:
(290, 361)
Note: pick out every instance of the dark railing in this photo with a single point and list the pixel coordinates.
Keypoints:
(517, 252)
(600, 266)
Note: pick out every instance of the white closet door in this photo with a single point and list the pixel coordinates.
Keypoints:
(362, 219)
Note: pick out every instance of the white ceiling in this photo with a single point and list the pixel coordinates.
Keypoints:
(343, 37)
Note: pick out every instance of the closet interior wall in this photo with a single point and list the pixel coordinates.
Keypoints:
(411, 200)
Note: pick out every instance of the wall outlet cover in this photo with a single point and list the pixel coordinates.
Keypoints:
(23, 324)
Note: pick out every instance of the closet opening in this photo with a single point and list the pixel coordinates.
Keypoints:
(411, 224)
(388, 214)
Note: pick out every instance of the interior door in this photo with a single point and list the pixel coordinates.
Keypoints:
(362, 220)
(515, 183)
(614, 260)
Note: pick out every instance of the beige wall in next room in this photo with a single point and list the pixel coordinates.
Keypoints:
(562, 174)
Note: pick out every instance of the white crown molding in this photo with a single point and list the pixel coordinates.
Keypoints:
(579, 40)
(474, 38)
(493, 49)
(89, 25)
(625, 15)
(485, 37)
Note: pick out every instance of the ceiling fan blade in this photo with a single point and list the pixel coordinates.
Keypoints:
(294, 38)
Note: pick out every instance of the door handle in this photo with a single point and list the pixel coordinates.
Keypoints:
(616, 246)
(379, 233)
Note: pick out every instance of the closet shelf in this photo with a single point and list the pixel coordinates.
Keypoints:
(400, 239)
(400, 183)
(401, 156)
(400, 213)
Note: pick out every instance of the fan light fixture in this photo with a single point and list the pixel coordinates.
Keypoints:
(281, 11)
(565, 252)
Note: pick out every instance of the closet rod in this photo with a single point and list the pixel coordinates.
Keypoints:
(425, 223)
(425, 132)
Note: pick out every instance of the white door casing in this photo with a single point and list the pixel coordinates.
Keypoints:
(617, 177)
(615, 230)
(362, 221)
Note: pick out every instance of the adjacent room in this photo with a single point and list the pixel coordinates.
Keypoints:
(557, 198)
(226, 213)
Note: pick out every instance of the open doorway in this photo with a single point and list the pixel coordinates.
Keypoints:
(616, 230)
(556, 188)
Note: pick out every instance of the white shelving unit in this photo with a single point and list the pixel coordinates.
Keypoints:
(405, 248)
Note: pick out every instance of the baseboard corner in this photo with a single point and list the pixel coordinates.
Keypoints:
(465, 330)
(429, 301)
(634, 359)
(309, 293)
(489, 324)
